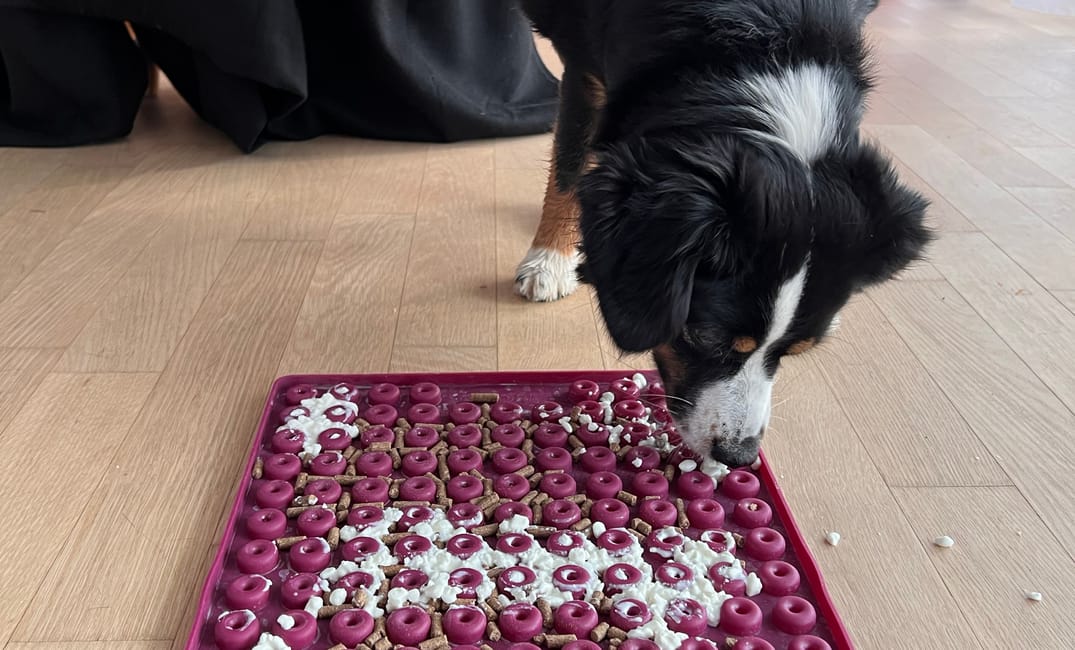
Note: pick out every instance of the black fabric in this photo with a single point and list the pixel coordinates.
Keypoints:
(428, 70)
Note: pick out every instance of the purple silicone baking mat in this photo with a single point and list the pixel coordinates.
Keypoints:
(502, 510)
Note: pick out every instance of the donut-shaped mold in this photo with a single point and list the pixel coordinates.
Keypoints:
(575, 617)
(354, 581)
(464, 545)
(695, 485)
(382, 414)
(643, 458)
(464, 413)
(248, 592)
(316, 522)
(350, 627)
(425, 392)
(424, 414)
(511, 509)
(687, 616)
(663, 543)
(764, 544)
(418, 463)
(360, 548)
(310, 555)
(583, 389)
(509, 460)
(466, 580)
(808, 642)
(274, 494)
(509, 435)
(553, 458)
(616, 542)
(752, 643)
(408, 626)
(636, 432)
(237, 630)
(374, 435)
(650, 484)
(752, 513)
(598, 459)
(324, 490)
(563, 542)
(658, 512)
(520, 622)
(269, 523)
(550, 434)
(613, 513)
(514, 543)
(466, 435)
(674, 575)
(793, 615)
(561, 513)
(515, 577)
(363, 516)
(504, 412)
(384, 394)
(572, 579)
(621, 577)
(410, 546)
(639, 644)
(629, 409)
(334, 439)
(289, 413)
(344, 413)
(740, 484)
(592, 435)
(511, 486)
(464, 624)
(717, 540)
(374, 463)
(258, 556)
(287, 441)
(624, 389)
(629, 613)
(299, 588)
(282, 467)
(697, 644)
(464, 487)
(328, 464)
(582, 644)
(546, 411)
(412, 516)
(421, 436)
(409, 579)
(730, 586)
(740, 617)
(345, 392)
(299, 392)
(706, 514)
(464, 460)
(465, 515)
(603, 485)
(778, 578)
(418, 488)
(558, 486)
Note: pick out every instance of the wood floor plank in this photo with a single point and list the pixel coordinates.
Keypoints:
(529, 152)
(387, 178)
(21, 370)
(83, 268)
(41, 218)
(559, 334)
(1002, 551)
(455, 359)
(1024, 425)
(1028, 239)
(349, 316)
(140, 322)
(91, 645)
(1029, 319)
(193, 435)
(832, 485)
(1057, 206)
(913, 433)
(449, 297)
(1053, 115)
(942, 216)
(1058, 160)
(1067, 298)
(101, 408)
(24, 169)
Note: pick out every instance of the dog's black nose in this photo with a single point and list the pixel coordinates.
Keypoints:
(736, 454)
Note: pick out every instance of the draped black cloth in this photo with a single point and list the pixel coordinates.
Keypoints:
(426, 70)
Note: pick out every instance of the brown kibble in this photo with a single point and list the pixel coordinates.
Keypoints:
(402, 423)
(487, 438)
(616, 633)
(436, 642)
(574, 441)
(539, 516)
(730, 642)
(437, 624)
(346, 479)
(527, 471)
(486, 410)
(587, 505)
(492, 632)
(627, 497)
(295, 511)
(577, 499)
(412, 504)
(381, 446)
(338, 646)
(328, 611)
(397, 460)
(641, 526)
(485, 398)
(486, 530)
(683, 521)
(345, 501)
(638, 535)
(597, 635)
(557, 640)
(528, 448)
(529, 497)
(259, 468)
(300, 482)
(546, 611)
(490, 613)
(606, 605)
(393, 491)
(333, 538)
(494, 603)
(400, 435)
(350, 471)
(623, 451)
(489, 500)
(360, 598)
(670, 472)
(541, 532)
(284, 543)
(487, 486)
(382, 644)
(436, 449)
(581, 525)
(341, 517)
(392, 538)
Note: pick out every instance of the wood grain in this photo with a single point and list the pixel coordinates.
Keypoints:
(1056, 206)
(91, 645)
(21, 370)
(455, 359)
(101, 408)
(386, 179)
(1002, 551)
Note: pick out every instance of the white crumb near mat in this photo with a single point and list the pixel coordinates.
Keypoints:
(1033, 595)
(944, 541)
(833, 538)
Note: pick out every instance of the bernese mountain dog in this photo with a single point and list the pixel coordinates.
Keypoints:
(709, 180)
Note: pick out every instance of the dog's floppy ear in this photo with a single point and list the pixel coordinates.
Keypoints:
(879, 221)
(646, 224)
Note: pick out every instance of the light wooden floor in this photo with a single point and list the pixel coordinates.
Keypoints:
(151, 289)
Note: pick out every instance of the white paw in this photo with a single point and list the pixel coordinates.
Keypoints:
(545, 275)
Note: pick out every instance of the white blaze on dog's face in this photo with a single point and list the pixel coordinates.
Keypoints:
(730, 414)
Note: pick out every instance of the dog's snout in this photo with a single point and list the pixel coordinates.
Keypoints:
(737, 453)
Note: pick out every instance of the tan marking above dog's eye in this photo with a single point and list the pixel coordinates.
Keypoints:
(802, 346)
(744, 344)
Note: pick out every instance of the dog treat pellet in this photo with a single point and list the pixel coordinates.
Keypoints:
(546, 611)
(438, 642)
(627, 497)
(832, 538)
(333, 538)
(259, 468)
(641, 526)
(300, 482)
(541, 532)
(494, 603)
(485, 398)
(624, 450)
(670, 472)
(598, 634)
(328, 611)
(492, 631)
(557, 640)
(383, 644)
(284, 543)
(581, 525)
(944, 541)
(486, 530)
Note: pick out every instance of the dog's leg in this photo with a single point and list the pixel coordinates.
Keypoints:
(548, 271)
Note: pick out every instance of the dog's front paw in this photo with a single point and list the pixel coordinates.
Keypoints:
(545, 275)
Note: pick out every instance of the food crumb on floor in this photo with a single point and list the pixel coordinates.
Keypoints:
(833, 538)
(944, 541)
(1034, 595)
